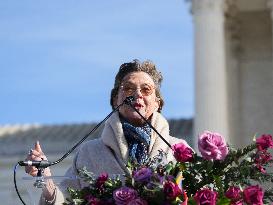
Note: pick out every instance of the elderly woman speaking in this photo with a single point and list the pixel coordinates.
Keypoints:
(126, 136)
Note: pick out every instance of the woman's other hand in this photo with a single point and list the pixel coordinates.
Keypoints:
(36, 154)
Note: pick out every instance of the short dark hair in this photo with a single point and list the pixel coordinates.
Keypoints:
(135, 66)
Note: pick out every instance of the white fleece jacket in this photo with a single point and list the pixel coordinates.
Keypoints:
(109, 153)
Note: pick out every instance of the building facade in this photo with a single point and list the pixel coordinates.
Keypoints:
(233, 68)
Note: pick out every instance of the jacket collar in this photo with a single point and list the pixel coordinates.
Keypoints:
(113, 136)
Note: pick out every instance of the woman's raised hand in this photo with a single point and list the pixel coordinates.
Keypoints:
(36, 154)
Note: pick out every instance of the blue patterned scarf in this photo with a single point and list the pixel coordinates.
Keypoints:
(138, 139)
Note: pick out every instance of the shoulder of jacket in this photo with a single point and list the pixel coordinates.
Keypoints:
(88, 152)
(159, 121)
(91, 144)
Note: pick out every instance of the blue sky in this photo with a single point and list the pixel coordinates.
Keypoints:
(59, 58)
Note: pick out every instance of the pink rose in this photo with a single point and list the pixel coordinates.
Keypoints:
(264, 142)
(212, 146)
(205, 197)
(171, 190)
(240, 202)
(182, 152)
(124, 195)
(91, 200)
(253, 195)
(138, 201)
(101, 179)
(262, 158)
(143, 175)
(233, 193)
(261, 168)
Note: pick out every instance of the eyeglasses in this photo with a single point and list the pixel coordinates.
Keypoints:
(130, 89)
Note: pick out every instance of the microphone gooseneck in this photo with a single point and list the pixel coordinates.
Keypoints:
(128, 101)
(45, 163)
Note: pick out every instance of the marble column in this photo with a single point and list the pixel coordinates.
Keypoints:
(270, 6)
(211, 111)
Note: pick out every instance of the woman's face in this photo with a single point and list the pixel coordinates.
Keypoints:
(142, 87)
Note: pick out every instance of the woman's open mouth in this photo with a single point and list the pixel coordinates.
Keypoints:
(137, 105)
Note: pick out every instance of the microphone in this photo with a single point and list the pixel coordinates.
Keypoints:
(38, 164)
(128, 101)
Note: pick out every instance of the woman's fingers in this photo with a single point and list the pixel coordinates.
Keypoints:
(38, 147)
(31, 170)
(38, 152)
(35, 154)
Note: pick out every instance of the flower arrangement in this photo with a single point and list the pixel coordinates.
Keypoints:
(222, 175)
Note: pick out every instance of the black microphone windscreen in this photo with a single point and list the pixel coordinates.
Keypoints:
(38, 164)
(129, 100)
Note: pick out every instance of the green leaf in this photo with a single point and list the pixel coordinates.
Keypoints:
(77, 201)
(223, 201)
(191, 201)
(154, 196)
(209, 165)
(219, 185)
(169, 168)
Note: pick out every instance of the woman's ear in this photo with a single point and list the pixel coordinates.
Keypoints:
(115, 101)
(157, 104)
